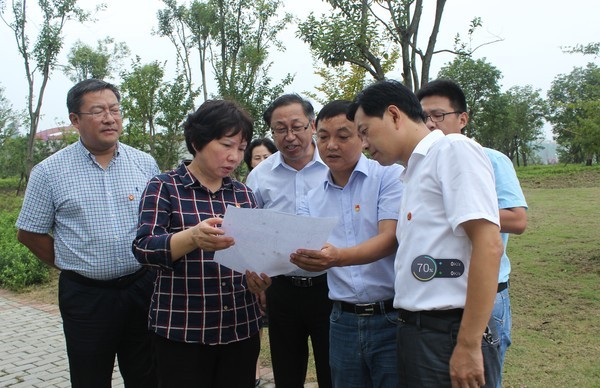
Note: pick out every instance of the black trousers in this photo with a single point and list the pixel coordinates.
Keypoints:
(295, 314)
(187, 365)
(101, 323)
(424, 352)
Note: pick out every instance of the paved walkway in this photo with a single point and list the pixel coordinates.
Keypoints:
(32, 346)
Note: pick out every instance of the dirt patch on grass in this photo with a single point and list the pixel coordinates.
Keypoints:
(43, 293)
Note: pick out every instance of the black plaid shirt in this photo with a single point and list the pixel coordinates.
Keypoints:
(195, 299)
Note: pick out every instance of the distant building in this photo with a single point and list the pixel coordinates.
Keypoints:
(57, 133)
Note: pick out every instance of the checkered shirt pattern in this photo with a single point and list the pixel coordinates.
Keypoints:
(195, 299)
(90, 211)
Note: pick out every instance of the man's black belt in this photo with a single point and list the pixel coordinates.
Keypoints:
(439, 320)
(502, 286)
(303, 281)
(121, 282)
(368, 309)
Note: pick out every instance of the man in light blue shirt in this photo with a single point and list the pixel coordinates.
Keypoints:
(365, 197)
(297, 303)
(80, 215)
(445, 105)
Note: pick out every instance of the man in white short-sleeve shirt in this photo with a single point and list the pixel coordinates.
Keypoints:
(445, 105)
(449, 242)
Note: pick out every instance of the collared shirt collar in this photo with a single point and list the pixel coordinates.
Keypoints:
(421, 150)
(361, 167)
(426, 143)
(189, 180)
(81, 147)
(278, 156)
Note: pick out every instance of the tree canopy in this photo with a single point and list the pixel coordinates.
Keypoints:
(479, 80)
(41, 57)
(86, 62)
(574, 100)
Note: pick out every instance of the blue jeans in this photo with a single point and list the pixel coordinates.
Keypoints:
(362, 350)
(503, 317)
(424, 356)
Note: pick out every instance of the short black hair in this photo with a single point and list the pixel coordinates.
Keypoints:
(377, 97)
(445, 88)
(333, 109)
(288, 99)
(215, 119)
(76, 93)
(265, 141)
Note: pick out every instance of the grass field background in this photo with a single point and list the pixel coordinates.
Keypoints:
(555, 287)
(555, 282)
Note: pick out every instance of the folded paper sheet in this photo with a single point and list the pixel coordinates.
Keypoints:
(264, 239)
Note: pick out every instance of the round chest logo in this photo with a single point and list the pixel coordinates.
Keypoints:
(424, 268)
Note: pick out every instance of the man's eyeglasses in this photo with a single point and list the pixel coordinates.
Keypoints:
(438, 117)
(98, 114)
(295, 129)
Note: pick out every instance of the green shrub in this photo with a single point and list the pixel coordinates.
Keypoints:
(19, 268)
(9, 183)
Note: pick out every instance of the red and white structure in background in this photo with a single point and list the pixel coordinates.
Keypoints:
(56, 133)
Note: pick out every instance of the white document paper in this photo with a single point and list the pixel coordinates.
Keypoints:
(264, 239)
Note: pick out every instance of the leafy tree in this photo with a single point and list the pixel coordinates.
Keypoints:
(348, 35)
(40, 59)
(173, 23)
(573, 99)
(588, 49)
(494, 129)
(175, 104)
(200, 22)
(362, 32)
(527, 112)
(140, 89)
(235, 37)
(12, 150)
(9, 120)
(189, 28)
(245, 31)
(339, 83)
(512, 122)
(480, 82)
(86, 62)
(12, 156)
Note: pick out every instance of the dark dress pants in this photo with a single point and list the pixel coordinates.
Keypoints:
(193, 365)
(424, 355)
(100, 323)
(295, 314)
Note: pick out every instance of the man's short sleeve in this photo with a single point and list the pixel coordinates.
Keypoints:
(508, 188)
(37, 213)
(467, 182)
(390, 194)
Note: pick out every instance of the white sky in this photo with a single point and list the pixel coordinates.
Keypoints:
(533, 32)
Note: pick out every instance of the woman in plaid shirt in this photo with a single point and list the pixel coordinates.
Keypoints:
(204, 318)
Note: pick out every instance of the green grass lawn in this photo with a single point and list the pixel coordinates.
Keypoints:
(555, 282)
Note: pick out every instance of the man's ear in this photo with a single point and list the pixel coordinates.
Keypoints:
(463, 119)
(313, 126)
(396, 114)
(74, 117)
